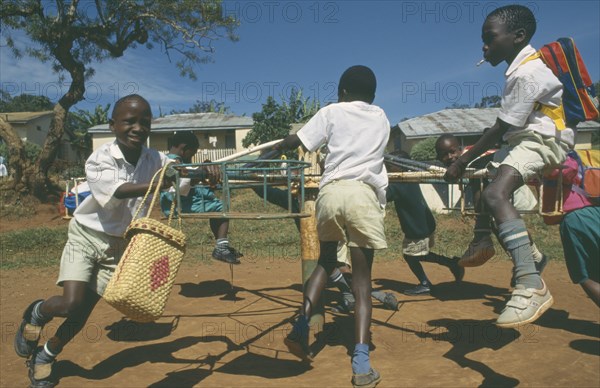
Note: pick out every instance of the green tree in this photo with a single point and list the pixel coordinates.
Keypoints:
(212, 106)
(424, 150)
(274, 120)
(456, 105)
(78, 124)
(489, 102)
(24, 103)
(31, 150)
(73, 35)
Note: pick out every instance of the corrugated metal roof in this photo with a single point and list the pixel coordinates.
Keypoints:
(191, 121)
(24, 117)
(588, 126)
(471, 121)
(455, 121)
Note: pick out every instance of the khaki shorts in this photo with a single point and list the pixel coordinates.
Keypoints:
(530, 154)
(90, 256)
(349, 211)
(417, 247)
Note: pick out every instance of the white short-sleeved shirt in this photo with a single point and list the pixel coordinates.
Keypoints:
(106, 169)
(356, 134)
(526, 84)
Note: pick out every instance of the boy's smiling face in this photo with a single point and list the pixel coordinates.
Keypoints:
(131, 123)
(498, 43)
(448, 151)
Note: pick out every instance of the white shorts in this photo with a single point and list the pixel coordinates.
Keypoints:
(530, 154)
(90, 256)
(350, 211)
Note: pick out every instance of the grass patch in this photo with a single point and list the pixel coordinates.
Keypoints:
(267, 241)
(13, 207)
(36, 247)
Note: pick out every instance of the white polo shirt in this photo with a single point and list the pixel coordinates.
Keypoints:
(527, 84)
(106, 169)
(356, 134)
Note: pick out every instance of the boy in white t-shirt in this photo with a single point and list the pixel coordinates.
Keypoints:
(350, 204)
(118, 174)
(535, 145)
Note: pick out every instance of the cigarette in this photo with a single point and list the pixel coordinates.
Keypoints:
(480, 62)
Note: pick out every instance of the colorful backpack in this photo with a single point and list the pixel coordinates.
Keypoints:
(588, 162)
(579, 100)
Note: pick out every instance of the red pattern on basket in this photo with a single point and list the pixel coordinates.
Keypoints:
(160, 273)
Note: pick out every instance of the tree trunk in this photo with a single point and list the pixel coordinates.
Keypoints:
(41, 184)
(17, 162)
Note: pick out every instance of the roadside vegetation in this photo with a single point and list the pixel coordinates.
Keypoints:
(267, 241)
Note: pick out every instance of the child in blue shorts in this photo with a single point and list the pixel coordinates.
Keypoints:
(579, 228)
(535, 145)
(118, 174)
(350, 204)
(580, 235)
(198, 199)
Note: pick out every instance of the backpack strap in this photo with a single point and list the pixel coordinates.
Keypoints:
(531, 58)
(556, 114)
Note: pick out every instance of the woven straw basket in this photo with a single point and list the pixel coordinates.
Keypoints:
(145, 274)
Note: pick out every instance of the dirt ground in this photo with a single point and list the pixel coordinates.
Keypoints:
(211, 336)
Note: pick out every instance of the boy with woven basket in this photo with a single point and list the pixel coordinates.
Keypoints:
(118, 174)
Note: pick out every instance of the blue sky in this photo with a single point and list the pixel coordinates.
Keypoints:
(422, 52)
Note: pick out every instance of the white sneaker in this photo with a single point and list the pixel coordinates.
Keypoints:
(525, 306)
(478, 253)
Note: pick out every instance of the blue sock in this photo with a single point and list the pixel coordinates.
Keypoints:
(301, 326)
(360, 359)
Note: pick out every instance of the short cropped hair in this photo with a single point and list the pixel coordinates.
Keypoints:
(124, 99)
(443, 138)
(185, 137)
(514, 17)
(359, 80)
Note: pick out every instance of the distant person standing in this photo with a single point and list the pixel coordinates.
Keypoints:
(3, 170)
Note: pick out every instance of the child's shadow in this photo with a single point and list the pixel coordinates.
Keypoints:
(559, 319)
(211, 288)
(587, 346)
(248, 364)
(468, 291)
(391, 285)
(205, 289)
(131, 331)
(251, 364)
(153, 353)
(468, 336)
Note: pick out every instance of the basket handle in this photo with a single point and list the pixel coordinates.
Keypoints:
(160, 174)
